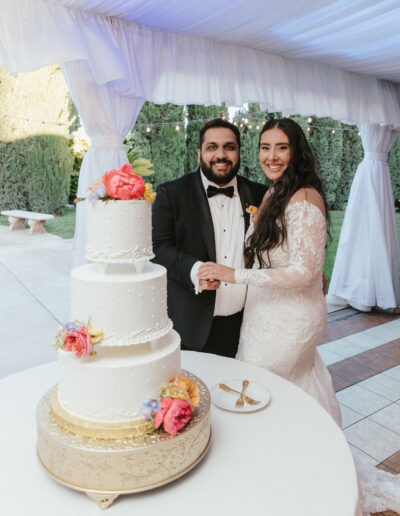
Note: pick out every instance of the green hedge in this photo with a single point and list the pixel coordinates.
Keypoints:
(35, 173)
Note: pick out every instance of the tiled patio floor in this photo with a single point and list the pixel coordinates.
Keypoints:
(362, 352)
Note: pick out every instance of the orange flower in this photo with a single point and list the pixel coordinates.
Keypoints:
(189, 388)
(251, 210)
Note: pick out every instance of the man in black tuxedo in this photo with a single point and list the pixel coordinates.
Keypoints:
(202, 217)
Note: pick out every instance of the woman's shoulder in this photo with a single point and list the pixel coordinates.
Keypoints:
(307, 196)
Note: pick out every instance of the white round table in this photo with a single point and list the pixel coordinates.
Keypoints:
(288, 459)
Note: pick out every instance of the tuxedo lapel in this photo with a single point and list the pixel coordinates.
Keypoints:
(246, 199)
(202, 212)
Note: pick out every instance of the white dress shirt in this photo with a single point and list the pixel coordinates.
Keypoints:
(228, 222)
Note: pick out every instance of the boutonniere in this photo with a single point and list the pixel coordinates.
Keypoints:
(251, 210)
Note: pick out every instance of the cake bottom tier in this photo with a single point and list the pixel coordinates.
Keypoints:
(105, 469)
(110, 387)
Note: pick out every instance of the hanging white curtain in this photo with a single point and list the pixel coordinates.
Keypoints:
(366, 270)
(107, 118)
(165, 66)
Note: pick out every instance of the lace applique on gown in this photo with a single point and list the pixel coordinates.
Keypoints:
(284, 320)
(285, 313)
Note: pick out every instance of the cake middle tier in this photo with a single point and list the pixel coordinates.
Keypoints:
(129, 307)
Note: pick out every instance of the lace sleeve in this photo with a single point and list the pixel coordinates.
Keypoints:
(306, 239)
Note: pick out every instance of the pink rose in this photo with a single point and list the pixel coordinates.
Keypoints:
(78, 341)
(174, 413)
(123, 184)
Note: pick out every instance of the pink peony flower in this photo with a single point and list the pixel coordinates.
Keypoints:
(174, 414)
(123, 184)
(78, 341)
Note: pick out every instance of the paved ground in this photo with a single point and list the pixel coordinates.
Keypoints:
(34, 296)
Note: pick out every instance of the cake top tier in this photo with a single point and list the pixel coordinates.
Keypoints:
(119, 231)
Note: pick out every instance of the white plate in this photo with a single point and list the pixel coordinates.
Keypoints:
(227, 400)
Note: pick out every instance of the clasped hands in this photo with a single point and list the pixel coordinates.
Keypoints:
(211, 274)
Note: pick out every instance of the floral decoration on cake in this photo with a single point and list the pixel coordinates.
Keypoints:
(78, 338)
(125, 183)
(174, 408)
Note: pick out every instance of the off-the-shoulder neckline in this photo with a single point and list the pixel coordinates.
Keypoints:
(306, 204)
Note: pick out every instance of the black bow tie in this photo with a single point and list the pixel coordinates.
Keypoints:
(213, 190)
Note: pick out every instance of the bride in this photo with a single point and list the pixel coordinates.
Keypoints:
(285, 312)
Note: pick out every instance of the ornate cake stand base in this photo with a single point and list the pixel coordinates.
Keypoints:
(107, 468)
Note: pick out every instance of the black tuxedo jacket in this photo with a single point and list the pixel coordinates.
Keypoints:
(183, 233)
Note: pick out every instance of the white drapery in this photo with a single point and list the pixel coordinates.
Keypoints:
(366, 270)
(107, 118)
(163, 66)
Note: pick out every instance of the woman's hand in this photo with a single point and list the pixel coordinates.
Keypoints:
(214, 271)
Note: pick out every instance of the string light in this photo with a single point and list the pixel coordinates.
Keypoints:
(148, 127)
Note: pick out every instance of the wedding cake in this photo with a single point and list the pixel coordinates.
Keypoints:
(122, 401)
(139, 351)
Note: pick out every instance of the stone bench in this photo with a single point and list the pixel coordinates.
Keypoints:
(36, 221)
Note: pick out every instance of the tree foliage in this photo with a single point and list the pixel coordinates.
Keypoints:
(164, 146)
(35, 160)
(394, 166)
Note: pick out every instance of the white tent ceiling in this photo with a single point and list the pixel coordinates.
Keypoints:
(356, 35)
(337, 58)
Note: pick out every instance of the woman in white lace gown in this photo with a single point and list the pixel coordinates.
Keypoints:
(285, 312)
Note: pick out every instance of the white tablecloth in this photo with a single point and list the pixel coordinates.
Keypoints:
(288, 459)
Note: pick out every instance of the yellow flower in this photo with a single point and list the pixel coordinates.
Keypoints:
(172, 391)
(96, 334)
(149, 195)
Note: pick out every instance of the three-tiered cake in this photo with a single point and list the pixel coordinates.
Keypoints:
(118, 353)
(125, 296)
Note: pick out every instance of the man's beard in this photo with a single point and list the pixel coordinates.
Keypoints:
(216, 178)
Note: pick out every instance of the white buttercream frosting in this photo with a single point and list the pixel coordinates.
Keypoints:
(129, 307)
(111, 386)
(118, 231)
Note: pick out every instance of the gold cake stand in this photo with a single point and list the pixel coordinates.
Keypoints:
(107, 468)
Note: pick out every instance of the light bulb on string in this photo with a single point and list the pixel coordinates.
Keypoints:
(308, 129)
(309, 120)
(250, 126)
(257, 127)
(177, 127)
(333, 131)
(148, 129)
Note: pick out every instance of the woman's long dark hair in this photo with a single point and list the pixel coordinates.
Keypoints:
(270, 228)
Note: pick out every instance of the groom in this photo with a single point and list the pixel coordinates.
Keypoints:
(202, 217)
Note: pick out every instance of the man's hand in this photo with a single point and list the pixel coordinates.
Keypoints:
(209, 285)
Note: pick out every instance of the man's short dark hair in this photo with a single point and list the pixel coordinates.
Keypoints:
(216, 123)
